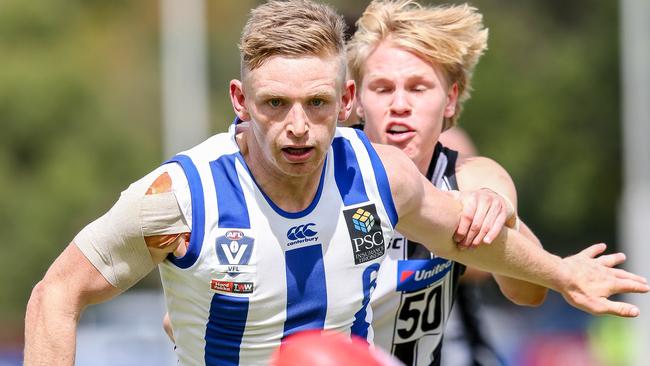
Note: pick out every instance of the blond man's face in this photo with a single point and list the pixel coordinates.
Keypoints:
(293, 105)
(404, 101)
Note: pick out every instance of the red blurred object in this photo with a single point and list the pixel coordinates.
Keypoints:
(321, 348)
(558, 350)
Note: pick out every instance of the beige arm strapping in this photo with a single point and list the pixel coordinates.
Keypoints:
(115, 244)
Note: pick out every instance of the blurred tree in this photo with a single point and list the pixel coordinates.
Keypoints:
(80, 114)
(547, 107)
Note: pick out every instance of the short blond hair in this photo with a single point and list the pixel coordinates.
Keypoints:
(291, 28)
(451, 37)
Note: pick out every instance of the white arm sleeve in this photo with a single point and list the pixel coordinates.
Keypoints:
(114, 243)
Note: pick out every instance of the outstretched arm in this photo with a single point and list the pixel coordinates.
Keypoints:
(431, 217)
(474, 173)
(518, 291)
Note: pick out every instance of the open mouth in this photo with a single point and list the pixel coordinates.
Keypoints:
(398, 129)
(297, 153)
(399, 134)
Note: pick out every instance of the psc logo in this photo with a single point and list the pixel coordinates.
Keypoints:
(366, 235)
(363, 220)
(301, 232)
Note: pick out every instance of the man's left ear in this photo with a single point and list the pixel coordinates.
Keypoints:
(452, 99)
(347, 101)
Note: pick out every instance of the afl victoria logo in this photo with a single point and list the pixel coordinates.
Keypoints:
(234, 248)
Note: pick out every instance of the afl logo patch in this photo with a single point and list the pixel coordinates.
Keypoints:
(234, 248)
(234, 235)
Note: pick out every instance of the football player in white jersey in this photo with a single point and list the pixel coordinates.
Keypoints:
(287, 223)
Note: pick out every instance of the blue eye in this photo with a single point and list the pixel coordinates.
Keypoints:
(317, 102)
(275, 102)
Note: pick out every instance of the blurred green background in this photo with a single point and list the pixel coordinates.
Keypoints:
(80, 113)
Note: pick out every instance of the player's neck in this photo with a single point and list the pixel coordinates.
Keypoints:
(423, 165)
(290, 193)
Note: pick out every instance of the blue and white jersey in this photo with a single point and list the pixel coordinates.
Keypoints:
(254, 273)
(415, 288)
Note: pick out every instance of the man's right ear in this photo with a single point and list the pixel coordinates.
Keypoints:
(238, 99)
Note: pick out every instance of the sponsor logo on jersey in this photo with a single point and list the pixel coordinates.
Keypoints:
(232, 287)
(302, 234)
(396, 242)
(416, 274)
(366, 235)
(234, 235)
(234, 249)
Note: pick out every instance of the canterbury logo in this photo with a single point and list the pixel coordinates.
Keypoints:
(301, 232)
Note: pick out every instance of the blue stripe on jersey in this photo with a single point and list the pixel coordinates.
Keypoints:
(306, 289)
(360, 324)
(347, 173)
(228, 314)
(382, 179)
(198, 212)
(278, 210)
(233, 212)
(225, 330)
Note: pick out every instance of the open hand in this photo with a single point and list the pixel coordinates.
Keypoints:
(593, 279)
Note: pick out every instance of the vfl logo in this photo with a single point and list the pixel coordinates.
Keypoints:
(366, 234)
(234, 248)
(301, 232)
(416, 274)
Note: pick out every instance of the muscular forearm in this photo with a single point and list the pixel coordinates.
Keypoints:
(433, 220)
(513, 256)
(50, 326)
(518, 291)
(521, 292)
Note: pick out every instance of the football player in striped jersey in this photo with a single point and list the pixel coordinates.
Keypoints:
(413, 66)
(287, 222)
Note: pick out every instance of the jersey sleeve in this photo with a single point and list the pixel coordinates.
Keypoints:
(114, 243)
